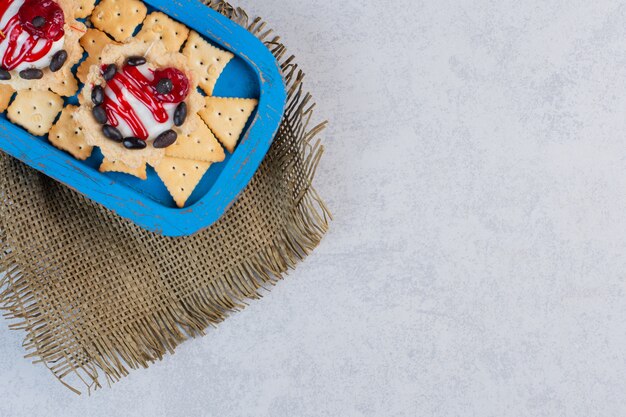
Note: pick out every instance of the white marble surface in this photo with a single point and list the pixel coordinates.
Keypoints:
(476, 166)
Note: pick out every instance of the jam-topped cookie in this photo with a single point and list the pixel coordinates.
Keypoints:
(139, 103)
(136, 103)
(39, 45)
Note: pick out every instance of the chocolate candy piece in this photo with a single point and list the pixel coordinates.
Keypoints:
(165, 86)
(100, 115)
(134, 143)
(135, 61)
(97, 95)
(165, 139)
(58, 60)
(180, 114)
(39, 21)
(112, 133)
(109, 72)
(4, 75)
(32, 74)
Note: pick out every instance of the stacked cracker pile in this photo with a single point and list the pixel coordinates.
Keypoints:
(221, 120)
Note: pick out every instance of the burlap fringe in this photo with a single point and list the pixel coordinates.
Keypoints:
(147, 341)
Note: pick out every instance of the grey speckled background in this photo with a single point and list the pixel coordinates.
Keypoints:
(476, 165)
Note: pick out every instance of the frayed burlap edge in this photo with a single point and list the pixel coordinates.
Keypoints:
(148, 340)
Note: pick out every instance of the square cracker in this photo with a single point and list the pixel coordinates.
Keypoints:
(6, 92)
(66, 87)
(67, 135)
(118, 166)
(227, 117)
(199, 145)
(208, 61)
(93, 42)
(119, 18)
(181, 177)
(159, 26)
(84, 8)
(35, 110)
(83, 68)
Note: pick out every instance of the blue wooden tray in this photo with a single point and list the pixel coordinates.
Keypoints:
(253, 73)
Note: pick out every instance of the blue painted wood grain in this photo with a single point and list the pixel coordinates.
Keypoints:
(210, 202)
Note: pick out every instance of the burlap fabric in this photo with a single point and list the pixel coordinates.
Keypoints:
(98, 296)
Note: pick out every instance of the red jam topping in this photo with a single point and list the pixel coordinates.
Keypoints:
(53, 19)
(30, 50)
(180, 82)
(131, 79)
